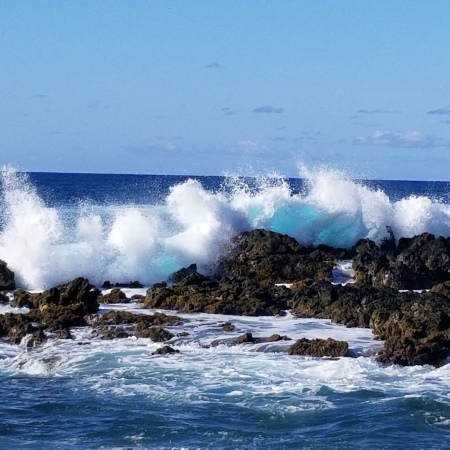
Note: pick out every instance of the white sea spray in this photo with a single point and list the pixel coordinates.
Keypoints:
(47, 245)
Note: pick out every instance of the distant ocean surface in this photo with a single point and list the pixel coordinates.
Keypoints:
(91, 394)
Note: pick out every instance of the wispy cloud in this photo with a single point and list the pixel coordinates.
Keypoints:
(444, 110)
(154, 149)
(278, 138)
(251, 147)
(214, 65)
(375, 111)
(406, 139)
(268, 110)
(228, 111)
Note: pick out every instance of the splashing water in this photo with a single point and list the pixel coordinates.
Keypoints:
(46, 245)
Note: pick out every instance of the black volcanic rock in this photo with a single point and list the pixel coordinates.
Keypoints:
(166, 350)
(62, 306)
(269, 258)
(198, 293)
(415, 263)
(7, 281)
(415, 326)
(319, 347)
(115, 296)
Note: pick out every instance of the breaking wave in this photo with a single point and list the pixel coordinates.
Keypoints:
(47, 245)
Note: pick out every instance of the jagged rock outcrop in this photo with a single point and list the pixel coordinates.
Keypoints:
(414, 263)
(198, 293)
(62, 306)
(319, 347)
(415, 326)
(7, 280)
(269, 258)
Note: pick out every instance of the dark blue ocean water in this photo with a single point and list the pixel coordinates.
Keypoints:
(91, 394)
(61, 188)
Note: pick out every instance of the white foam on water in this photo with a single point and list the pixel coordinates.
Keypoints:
(343, 273)
(202, 373)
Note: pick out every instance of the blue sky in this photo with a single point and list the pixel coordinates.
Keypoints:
(211, 87)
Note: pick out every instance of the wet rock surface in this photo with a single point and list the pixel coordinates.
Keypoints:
(115, 296)
(123, 324)
(415, 326)
(53, 310)
(7, 280)
(271, 258)
(414, 263)
(198, 293)
(319, 348)
(166, 350)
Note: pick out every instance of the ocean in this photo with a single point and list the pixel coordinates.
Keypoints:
(88, 393)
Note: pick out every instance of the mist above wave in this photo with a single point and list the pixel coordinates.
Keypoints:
(46, 245)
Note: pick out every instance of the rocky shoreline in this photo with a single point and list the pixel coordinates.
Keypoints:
(401, 291)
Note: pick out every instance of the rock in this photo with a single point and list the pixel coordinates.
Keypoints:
(15, 327)
(63, 306)
(77, 292)
(122, 324)
(141, 320)
(7, 281)
(415, 263)
(115, 296)
(22, 299)
(157, 334)
(442, 289)
(63, 334)
(198, 293)
(415, 326)
(244, 339)
(228, 326)
(109, 333)
(3, 298)
(131, 285)
(270, 258)
(277, 338)
(319, 348)
(37, 338)
(183, 273)
(166, 350)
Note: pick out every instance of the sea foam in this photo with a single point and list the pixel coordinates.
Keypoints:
(47, 245)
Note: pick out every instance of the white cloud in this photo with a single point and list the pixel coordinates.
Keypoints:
(408, 139)
(251, 147)
(268, 110)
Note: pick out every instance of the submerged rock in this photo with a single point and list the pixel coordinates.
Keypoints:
(123, 324)
(166, 350)
(228, 326)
